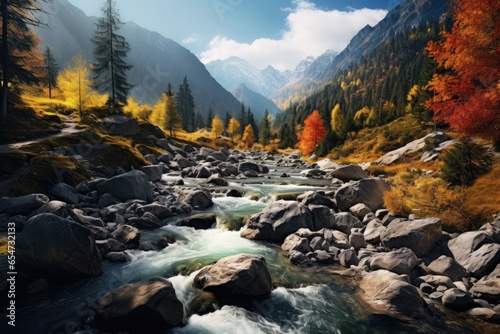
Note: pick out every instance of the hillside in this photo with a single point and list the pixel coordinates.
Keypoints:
(256, 102)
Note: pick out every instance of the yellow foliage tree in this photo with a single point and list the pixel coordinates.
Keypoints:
(75, 85)
(165, 114)
(361, 116)
(337, 120)
(233, 127)
(248, 136)
(217, 126)
(137, 110)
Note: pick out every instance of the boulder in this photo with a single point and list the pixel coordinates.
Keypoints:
(199, 199)
(79, 217)
(217, 180)
(132, 307)
(357, 240)
(56, 207)
(184, 163)
(127, 235)
(485, 314)
(359, 210)
(447, 266)
(238, 275)
(234, 193)
(482, 262)
(400, 261)
(327, 165)
(154, 173)
(160, 211)
(200, 221)
(344, 222)
(324, 257)
(487, 288)
(418, 235)
(319, 243)
(148, 221)
(299, 258)
(322, 216)
(227, 169)
(348, 258)
(277, 221)
(66, 193)
(132, 185)
(56, 246)
(466, 243)
(246, 166)
(202, 173)
(349, 173)
(435, 280)
(457, 299)
(295, 243)
(388, 293)
(367, 191)
(316, 198)
(120, 125)
(373, 231)
(22, 205)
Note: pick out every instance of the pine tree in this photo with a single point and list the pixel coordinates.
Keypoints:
(265, 129)
(51, 70)
(185, 105)
(242, 118)
(210, 116)
(227, 119)
(173, 120)
(251, 121)
(199, 121)
(18, 47)
(110, 51)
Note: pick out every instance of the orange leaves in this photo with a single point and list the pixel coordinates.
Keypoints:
(468, 94)
(248, 136)
(313, 133)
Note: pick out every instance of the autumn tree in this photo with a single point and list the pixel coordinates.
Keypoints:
(217, 126)
(248, 136)
(165, 113)
(51, 70)
(18, 47)
(137, 110)
(233, 128)
(312, 134)
(110, 50)
(76, 86)
(467, 94)
(337, 119)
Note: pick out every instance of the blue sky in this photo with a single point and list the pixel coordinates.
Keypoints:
(264, 32)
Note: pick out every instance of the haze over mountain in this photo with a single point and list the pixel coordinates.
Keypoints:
(255, 101)
(157, 60)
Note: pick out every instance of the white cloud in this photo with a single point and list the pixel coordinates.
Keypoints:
(310, 31)
(193, 38)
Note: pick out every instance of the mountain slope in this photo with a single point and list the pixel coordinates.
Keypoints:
(255, 101)
(157, 60)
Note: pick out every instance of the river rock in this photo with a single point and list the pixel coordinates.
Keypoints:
(277, 221)
(487, 288)
(482, 262)
(485, 314)
(373, 231)
(132, 185)
(299, 258)
(323, 217)
(127, 235)
(217, 180)
(154, 173)
(447, 266)
(116, 257)
(147, 221)
(435, 280)
(367, 191)
(22, 205)
(324, 257)
(349, 173)
(357, 240)
(327, 165)
(56, 207)
(466, 243)
(388, 293)
(66, 193)
(199, 199)
(344, 222)
(246, 166)
(316, 198)
(131, 307)
(199, 221)
(227, 169)
(295, 242)
(234, 193)
(120, 125)
(202, 303)
(160, 211)
(348, 258)
(400, 261)
(238, 275)
(457, 299)
(56, 246)
(418, 235)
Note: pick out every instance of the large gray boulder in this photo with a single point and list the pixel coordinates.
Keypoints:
(131, 185)
(199, 221)
(198, 198)
(487, 288)
(316, 198)
(22, 205)
(388, 293)
(373, 231)
(482, 262)
(238, 275)
(323, 217)
(466, 243)
(400, 261)
(120, 125)
(344, 222)
(327, 165)
(349, 173)
(457, 299)
(296, 243)
(154, 172)
(277, 221)
(447, 266)
(418, 235)
(246, 166)
(66, 193)
(150, 304)
(52, 245)
(367, 191)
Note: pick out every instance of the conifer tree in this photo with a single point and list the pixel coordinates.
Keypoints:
(265, 129)
(251, 122)
(51, 70)
(210, 116)
(110, 52)
(242, 118)
(185, 105)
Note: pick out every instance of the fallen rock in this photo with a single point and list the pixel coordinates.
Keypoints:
(466, 243)
(199, 199)
(132, 185)
(482, 262)
(238, 275)
(22, 205)
(418, 235)
(400, 261)
(349, 173)
(65, 193)
(388, 293)
(457, 299)
(447, 266)
(367, 191)
(131, 307)
(487, 288)
(344, 222)
(53, 245)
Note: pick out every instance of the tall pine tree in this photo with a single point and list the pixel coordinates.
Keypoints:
(185, 105)
(51, 70)
(265, 129)
(110, 51)
(210, 115)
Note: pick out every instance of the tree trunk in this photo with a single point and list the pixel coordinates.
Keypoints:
(5, 64)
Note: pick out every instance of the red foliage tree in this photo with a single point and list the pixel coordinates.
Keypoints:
(467, 95)
(313, 133)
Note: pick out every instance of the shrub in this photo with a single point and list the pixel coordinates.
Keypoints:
(464, 162)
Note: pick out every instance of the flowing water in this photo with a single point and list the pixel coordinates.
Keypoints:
(307, 300)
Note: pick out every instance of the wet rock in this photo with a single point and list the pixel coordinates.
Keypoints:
(202, 303)
(197, 198)
(418, 235)
(238, 275)
(233, 193)
(400, 261)
(131, 306)
(148, 221)
(52, 245)
(160, 211)
(200, 221)
(367, 191)
(116, 257)
(246, 166)
(217, 180)
(295, 243)
(132, 185)
(299, 258)
(323, 217)
(127, 235)
(22, 205)
(348, 258)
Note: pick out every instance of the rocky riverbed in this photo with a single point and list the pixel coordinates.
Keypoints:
(204, 237)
